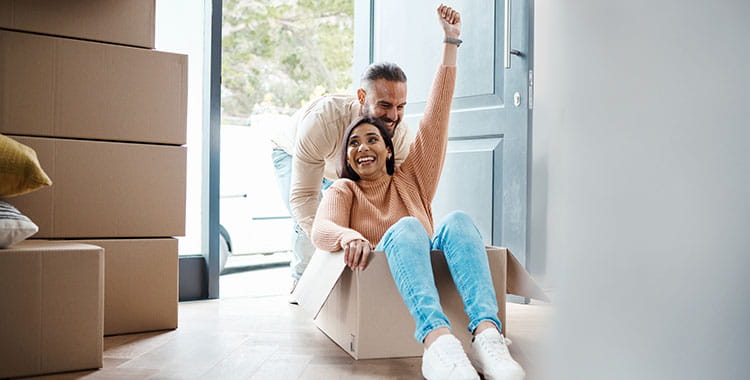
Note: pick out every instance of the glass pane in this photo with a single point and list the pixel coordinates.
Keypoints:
(396, 40)
(276, 56)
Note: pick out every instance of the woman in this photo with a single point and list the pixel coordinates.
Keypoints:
(376, 204)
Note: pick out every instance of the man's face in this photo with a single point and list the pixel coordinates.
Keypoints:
(384, 100)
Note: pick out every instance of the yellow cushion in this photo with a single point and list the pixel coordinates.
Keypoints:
(20, 172)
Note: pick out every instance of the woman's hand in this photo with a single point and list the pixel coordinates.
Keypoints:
(450, 20)
(356, 253)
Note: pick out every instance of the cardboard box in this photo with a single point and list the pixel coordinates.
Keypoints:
(106, 190)
(140, 284)
(57, 87)
(52, 297)
(363, 312)
(115, 21)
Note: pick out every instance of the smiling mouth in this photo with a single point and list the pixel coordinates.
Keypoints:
(365, 160)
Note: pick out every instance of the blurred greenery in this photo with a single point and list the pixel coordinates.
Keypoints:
(278, 54)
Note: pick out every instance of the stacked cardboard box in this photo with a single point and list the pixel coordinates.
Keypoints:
(111, 21)
(81, 84)
(52, 298)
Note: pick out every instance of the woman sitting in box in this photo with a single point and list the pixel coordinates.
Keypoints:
(375, 204)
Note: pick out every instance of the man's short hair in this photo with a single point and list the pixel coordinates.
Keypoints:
(382, 70)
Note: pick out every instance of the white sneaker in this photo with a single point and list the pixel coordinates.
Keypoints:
(446, 359)
(490, 356)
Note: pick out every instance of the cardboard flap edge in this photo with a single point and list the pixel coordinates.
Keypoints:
(318, 280)
(520, 282)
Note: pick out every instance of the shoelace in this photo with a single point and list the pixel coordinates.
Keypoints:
(452, 354)
(495, 347)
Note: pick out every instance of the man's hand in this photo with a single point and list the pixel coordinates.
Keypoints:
(356, 253)
(450, 20)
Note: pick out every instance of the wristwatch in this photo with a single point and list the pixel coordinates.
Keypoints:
(454, 41)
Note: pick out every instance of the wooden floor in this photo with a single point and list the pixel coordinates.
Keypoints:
(266, 338)
(249, 336)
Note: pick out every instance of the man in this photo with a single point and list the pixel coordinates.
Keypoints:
(306, 152)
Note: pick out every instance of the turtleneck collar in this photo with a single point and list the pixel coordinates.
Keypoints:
(369, 184)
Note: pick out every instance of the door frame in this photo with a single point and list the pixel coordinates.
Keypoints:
(199, 274)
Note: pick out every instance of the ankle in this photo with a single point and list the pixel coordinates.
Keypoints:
(484, 325)
(434, 334)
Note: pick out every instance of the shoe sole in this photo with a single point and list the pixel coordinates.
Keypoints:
(480, 371)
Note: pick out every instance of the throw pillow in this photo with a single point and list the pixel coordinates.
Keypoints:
(14, 226)
(20, 172)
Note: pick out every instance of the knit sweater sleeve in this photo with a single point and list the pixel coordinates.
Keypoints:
(424, 163)
(330, 230)
(315, 138)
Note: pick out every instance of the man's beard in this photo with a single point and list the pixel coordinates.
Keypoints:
(384, 119)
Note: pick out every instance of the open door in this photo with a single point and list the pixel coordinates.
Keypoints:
(487, 166)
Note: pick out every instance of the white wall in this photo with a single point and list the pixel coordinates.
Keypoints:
(640, 216)
(179, 29)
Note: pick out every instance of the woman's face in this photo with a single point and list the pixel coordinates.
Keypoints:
(366, 152)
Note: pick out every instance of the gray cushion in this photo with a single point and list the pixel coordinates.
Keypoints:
(14, 226)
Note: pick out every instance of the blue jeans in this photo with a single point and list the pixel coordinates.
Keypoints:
(407, 247)
(302, 247)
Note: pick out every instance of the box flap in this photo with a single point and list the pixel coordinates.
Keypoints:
(319, 278)
(519, 281)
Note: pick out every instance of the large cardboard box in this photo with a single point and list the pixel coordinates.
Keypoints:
(58, 87)
(115, 21)
(363, 312)
(140, 284)
(106, 190)
(52, 297)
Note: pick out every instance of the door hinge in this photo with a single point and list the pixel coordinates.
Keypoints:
(530, 101)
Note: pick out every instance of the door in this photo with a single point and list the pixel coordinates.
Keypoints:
(486, 168)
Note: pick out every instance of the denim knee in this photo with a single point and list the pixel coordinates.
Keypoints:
(457, 227)
(408, 231)
(409, 223)
(457, 217)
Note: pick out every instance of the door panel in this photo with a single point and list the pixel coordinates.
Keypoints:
(474, 159)
(486, 168)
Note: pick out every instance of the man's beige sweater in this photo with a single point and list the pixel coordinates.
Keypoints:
(366, 209)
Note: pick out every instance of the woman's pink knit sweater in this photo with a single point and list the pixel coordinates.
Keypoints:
(366, 209)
